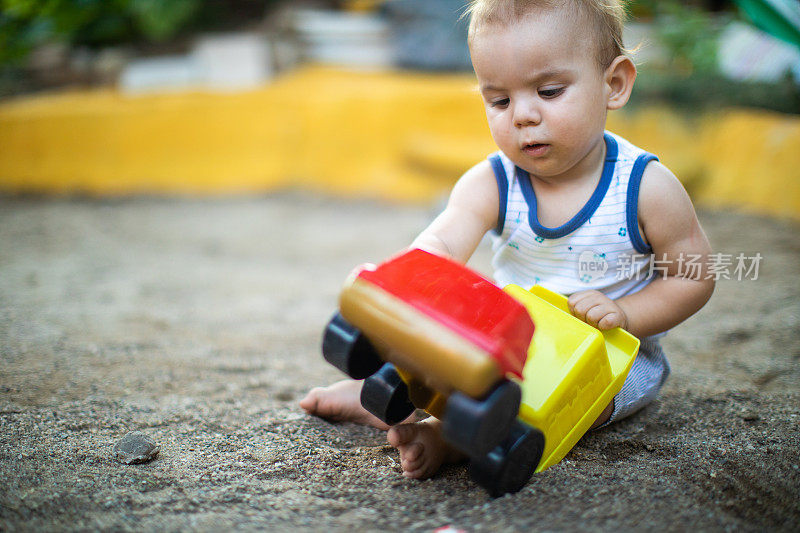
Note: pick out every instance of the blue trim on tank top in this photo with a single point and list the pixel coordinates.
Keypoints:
(502, 189)
(632, 207)
(586, 212)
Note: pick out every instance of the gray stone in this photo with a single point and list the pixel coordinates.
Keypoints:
(135, 448)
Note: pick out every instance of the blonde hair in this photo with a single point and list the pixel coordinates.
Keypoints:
(607, 18)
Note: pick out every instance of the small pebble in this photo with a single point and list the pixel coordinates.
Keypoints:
(135, 448)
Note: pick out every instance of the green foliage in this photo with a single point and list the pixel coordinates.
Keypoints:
(690, 36)
(25, 24)
(642, 8)
(158, 20)
(689, 77)
(699, 92)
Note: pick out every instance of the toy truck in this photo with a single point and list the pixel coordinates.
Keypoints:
(515, 379)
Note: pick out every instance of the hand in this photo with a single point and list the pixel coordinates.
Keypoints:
(598, 310)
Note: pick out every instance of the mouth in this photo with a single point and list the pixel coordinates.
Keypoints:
(535, 149)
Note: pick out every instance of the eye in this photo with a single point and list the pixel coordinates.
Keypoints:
(551, 92)
(500, 102)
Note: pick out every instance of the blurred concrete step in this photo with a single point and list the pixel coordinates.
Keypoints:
(343, 38)
(226, 62)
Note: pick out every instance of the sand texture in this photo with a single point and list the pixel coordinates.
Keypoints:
(198, 322)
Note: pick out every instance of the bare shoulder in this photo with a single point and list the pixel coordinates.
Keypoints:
(662, 198)
(476, 191)
(480, 178)
(665, 210)
(660, 186)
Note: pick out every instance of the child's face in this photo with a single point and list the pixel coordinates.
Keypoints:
(544, 91)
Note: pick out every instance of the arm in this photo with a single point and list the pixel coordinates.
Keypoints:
(471, 211)
(670, 225)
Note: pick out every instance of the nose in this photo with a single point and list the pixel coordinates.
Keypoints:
(526, 113)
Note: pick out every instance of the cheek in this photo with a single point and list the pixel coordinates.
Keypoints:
(498, 126)
(572, 120)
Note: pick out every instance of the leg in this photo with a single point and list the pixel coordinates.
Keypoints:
(341, 402)
(422, 448)
(648, 373)
(604, 416)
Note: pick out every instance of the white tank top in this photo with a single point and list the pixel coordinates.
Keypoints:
(600, 248)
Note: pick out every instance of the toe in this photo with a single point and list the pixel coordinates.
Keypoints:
(416, 470)
(412, 453)
(309, 402)
(402, 434)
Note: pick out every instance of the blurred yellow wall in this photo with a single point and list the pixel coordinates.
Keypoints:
(396, 136)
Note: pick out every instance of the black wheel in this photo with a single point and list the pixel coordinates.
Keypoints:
(477, 426)
(346, 348)
(385, 395)
(509, 466)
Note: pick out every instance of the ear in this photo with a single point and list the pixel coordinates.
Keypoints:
(619, 78)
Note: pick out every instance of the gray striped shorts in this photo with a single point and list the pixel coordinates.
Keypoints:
(648, 373)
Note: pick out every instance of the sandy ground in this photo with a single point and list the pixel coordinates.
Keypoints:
(199, 323)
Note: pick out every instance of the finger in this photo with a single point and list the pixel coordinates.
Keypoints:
(590, 309)
(576, 298)
(597, 313)
(610, 321)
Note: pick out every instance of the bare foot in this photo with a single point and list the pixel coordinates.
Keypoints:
(422, 448)
(340, 401)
